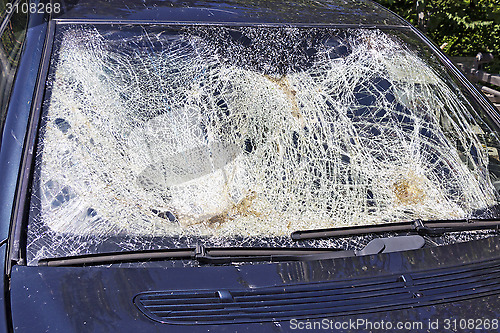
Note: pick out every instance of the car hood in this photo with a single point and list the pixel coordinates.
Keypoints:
(454, 281)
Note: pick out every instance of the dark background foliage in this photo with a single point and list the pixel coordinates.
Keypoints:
(466, 26)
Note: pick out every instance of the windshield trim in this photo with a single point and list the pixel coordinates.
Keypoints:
(229, 24)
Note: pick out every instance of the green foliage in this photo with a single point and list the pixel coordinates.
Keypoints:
(467, 26)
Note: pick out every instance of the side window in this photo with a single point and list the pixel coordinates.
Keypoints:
(12, 34)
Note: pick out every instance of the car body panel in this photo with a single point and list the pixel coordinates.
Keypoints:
(14, 131)
(101, 298)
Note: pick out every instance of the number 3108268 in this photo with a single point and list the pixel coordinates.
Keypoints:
(33, 8)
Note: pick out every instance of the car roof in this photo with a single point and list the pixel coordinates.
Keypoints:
(307, 12)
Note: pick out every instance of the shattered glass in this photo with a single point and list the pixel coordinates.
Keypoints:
(156, 136)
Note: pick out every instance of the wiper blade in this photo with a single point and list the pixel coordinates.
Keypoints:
(200, 254)
(116, 257)
(423, 228)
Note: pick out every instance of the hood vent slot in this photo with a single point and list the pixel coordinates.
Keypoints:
(319, 300)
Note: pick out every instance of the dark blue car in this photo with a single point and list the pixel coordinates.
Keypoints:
(233, 166)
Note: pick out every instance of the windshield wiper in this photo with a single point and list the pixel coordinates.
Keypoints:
(423, 228)
(228, 255)
(200, 254)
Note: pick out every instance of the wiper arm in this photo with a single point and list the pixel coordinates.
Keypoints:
(222, 256)
(423, 228)
(375, 246)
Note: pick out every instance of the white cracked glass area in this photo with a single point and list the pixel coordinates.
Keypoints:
(248, 133)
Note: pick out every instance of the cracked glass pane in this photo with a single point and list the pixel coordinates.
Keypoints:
(164, 136)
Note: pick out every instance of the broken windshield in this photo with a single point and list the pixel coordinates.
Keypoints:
(166, 135)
